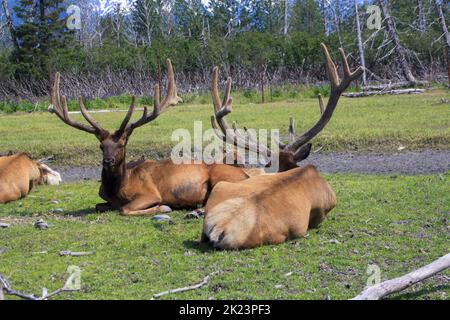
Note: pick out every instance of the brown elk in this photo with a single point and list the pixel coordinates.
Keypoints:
(270, 209)
(145, 187)
(19, 174)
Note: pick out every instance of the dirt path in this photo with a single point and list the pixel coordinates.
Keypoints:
(405, 163)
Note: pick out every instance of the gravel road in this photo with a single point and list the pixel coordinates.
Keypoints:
(404, 163)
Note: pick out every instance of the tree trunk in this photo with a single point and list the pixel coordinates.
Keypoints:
(422, 19)
(360, 44)
(286, 15)
(261, 82)
(399, 49)
(446, 35)
(337, 24)
(325, 17)
(10, 24)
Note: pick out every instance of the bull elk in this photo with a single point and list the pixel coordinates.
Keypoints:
(270, 209)
(145, 187)
(19, 174)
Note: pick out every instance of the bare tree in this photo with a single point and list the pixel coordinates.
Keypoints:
(325, 17)
(422, 20)
(445, 34)
(286, 17)
(337, 22)
(360, 44)
(400, 51)
(9, 22)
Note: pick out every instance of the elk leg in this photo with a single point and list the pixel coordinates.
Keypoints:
(196, 214)
(103, 207)
(143, 207)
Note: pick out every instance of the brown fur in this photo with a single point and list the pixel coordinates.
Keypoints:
(143, 189)
(18, 175)
(267, 209)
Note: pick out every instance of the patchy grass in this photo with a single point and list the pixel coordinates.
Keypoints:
(366, 124)
(398, 223)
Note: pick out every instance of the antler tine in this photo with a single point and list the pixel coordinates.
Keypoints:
(171, 99)
(337, 88)
(331, 68)
(321, 105)
(221, 110)
(128, 116)
(63, 114)
(291, 131)
(87, 116)
(349, 76)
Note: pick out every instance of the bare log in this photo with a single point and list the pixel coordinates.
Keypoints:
(379, 93)
(385, 288)
(396, 85)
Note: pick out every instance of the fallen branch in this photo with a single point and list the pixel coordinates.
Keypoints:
(395, 85)
(193, 287)
(75, 254)
(5, 288)
(385, 288)
(379, 93)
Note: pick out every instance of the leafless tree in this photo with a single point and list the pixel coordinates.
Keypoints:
(325, 17)
(9, 22)
(286, 17)
(400, 51)
(422, 19)
(445, 33)
(360, 43)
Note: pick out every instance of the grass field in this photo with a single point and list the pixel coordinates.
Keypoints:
(398, 223)
(366, 124)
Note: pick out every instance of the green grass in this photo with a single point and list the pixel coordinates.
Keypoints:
(365, 124)
(399, 223)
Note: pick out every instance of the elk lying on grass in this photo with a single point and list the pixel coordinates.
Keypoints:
(19, 174)
(146, 187)
(270, 209)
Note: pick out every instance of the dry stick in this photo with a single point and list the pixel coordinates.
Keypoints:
(193, 287)
(385, 288)
(6, 288)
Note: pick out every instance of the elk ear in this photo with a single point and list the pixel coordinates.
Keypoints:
(303, 152)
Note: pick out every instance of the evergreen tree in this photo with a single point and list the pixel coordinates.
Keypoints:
(41, 35)
(189, 17)
(306, 17)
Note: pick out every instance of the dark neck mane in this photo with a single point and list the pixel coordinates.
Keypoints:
(114, 179)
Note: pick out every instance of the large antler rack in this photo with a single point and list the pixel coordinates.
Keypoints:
(59, 107)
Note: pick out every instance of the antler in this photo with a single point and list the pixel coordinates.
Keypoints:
(171, 99)
(220, 125)
(299, 147)
(125, 128)
(63, 114)
(337, 88)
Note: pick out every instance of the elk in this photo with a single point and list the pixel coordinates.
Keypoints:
(269, 209)
(19, 174)
(145, 187)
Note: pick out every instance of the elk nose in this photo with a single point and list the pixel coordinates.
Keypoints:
(109, 162)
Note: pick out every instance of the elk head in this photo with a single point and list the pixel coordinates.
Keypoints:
(47, 175)
(296, 148)
(113, 144)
